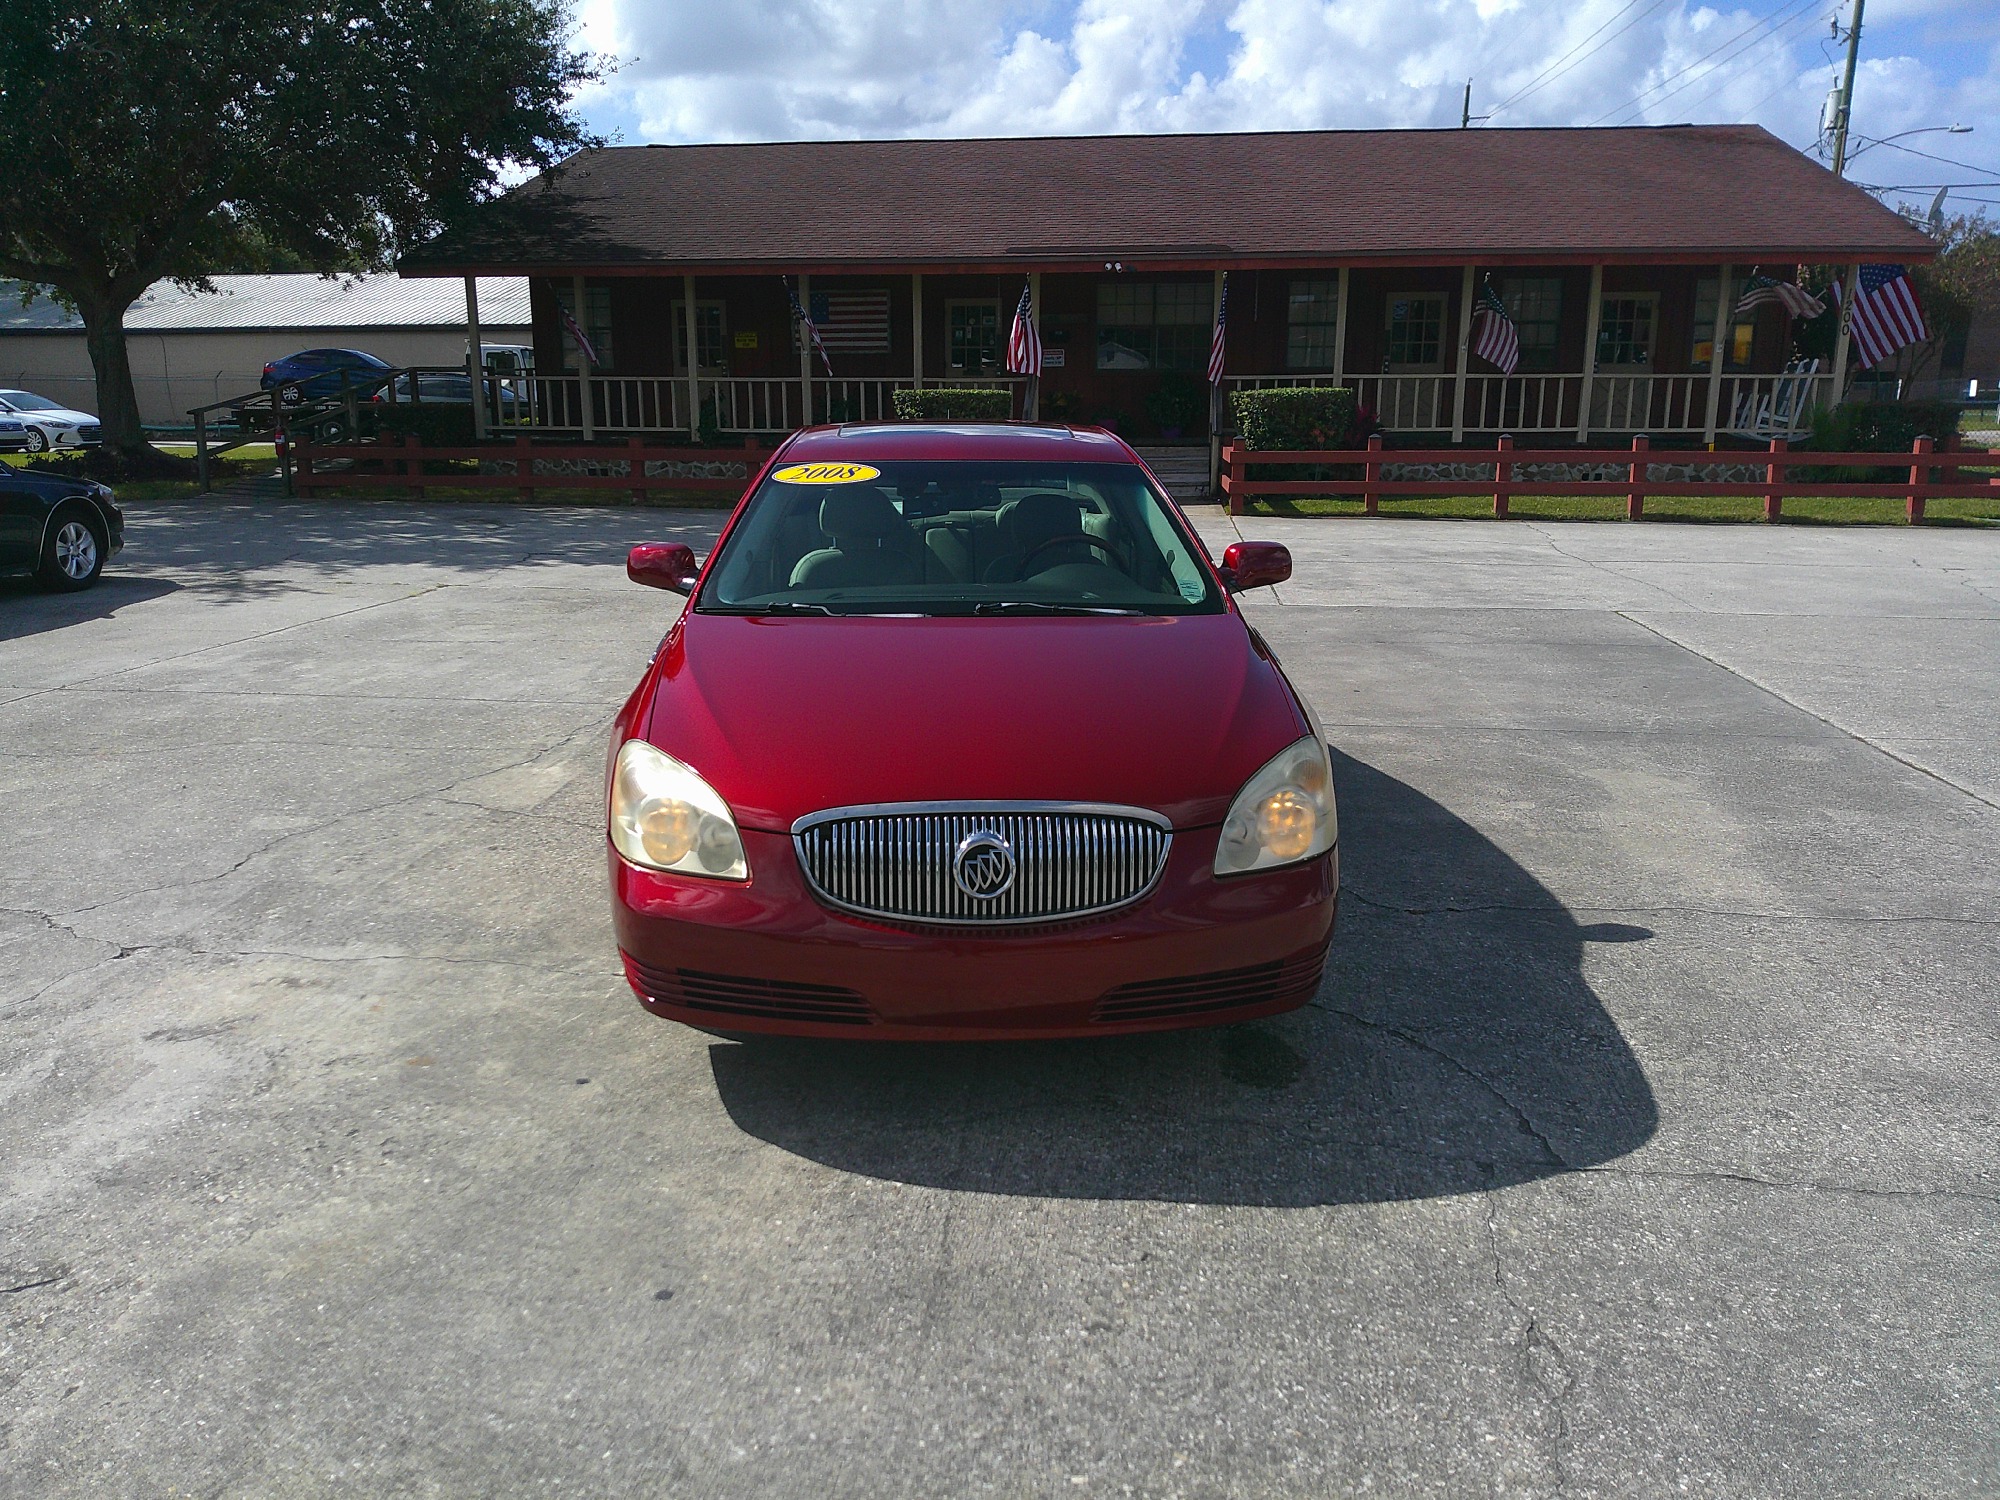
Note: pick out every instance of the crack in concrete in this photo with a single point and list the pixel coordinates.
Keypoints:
(1607, 569)
(258, 635)
(1834, 724)
(1544, 1365)
(29, 1286)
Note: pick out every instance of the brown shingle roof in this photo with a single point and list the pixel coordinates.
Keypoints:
(1693, 192)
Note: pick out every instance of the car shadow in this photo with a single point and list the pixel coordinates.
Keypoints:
(1454, 1046)
(26, 608)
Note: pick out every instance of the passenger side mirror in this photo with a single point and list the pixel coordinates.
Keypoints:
(663, 565)
(1252, 565)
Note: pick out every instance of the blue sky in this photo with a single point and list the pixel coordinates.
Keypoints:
(715, 70)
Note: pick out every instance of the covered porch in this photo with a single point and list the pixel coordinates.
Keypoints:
(1607, 350)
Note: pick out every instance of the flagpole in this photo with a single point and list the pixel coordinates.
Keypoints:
(1031, 398)
(1215, 399)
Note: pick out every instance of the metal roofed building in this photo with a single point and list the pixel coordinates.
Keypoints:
(192, 348)
(1355, 257)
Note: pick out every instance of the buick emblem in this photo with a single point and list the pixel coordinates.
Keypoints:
(984, 865)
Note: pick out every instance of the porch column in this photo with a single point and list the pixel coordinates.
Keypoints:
(694, 359)
(917, 329)
(805, 354)
(1592, 315)
(584, 364)
(475, 363)
(1340, 326)
(1031, 399)
(1850, 279)
(1721, 329)
(1464, 356)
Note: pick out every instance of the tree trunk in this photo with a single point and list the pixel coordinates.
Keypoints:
(117, 402)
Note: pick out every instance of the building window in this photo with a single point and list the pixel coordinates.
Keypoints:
(1154, 325)
(1535, 305)
(1625, 331)
(1312, 320)
(596, 323)
(972, 332)
(1414, 323)
(1737, 338)
(710, 336)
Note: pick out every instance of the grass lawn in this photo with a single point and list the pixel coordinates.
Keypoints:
(243, 463)
(1810, 510)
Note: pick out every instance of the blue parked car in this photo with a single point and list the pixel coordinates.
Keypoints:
(320, 371)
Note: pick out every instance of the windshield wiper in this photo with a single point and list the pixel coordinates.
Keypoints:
(775, 607)
(1038, 607)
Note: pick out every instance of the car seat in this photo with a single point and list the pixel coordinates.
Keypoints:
(872, 545)
(1028, 524)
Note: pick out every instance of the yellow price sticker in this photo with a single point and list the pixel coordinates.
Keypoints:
(826, 474)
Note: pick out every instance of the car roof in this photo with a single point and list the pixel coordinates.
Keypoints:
(996, 441)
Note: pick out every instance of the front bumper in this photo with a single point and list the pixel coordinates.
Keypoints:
(766, 956)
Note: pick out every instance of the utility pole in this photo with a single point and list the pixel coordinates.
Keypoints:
(1846, 111)
(1465, 110)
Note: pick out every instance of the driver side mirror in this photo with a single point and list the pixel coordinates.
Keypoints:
(663, 565)
(1252, 565)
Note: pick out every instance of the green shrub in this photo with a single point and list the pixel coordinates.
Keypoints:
(440, 424)
(1876, 427)
(941, 403)
(1294, 417)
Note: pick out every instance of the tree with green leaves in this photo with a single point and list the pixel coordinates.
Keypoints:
(165, 139)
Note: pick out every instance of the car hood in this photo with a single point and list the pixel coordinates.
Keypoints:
(786, 716)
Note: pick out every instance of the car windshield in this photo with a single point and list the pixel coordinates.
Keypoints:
(26, 401)
(958, 538)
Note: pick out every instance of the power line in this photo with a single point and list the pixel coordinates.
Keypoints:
(1556, 69)
(1802, 18)
(1641, 102)
(1929, 156)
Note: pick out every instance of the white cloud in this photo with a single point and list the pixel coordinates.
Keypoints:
(699, 70)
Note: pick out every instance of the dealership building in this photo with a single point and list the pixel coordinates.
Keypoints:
(1351, 257)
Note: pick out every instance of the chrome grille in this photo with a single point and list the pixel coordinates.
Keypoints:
(897, 861)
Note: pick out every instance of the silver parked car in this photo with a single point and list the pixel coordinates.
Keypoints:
(50, 424)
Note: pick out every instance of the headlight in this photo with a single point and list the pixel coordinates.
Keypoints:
(1284, 813)
(665, 817)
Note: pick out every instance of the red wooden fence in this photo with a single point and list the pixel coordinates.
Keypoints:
(401, 466)
(1926, 463)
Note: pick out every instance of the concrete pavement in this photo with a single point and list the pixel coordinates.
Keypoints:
(1642, 1139)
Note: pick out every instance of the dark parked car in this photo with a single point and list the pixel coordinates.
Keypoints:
(58, 528)
(446, 387)
(13, 435)
(320, 371)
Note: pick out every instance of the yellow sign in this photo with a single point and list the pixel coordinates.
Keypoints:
(747, 340)
(825, 474)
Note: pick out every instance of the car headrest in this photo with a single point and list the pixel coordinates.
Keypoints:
(860, 513)
(1039, 516)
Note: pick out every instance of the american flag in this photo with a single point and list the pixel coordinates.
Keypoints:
(1024, 343)
(570, 324)
(1493, 337)
(856, 321)
(1795, 300)
(1887, 315)
(1215, 345)
(811, 328)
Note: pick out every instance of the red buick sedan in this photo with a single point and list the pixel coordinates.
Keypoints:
(961, 736)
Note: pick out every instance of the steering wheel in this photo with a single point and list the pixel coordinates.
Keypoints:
(1117, 559)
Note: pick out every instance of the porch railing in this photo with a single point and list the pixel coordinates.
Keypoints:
(624, 404)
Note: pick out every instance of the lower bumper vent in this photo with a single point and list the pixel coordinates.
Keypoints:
(741, 995)
(1293, 980)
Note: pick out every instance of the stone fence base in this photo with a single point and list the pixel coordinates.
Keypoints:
(620, 468)
(1579, 473)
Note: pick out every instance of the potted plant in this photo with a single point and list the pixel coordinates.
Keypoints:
(1175, 405)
